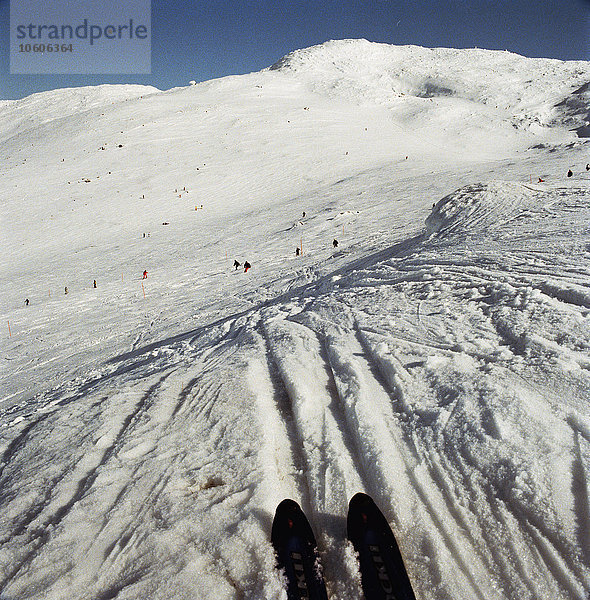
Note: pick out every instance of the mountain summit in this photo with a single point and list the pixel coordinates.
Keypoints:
(531, 92)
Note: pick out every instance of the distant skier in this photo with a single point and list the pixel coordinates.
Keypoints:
(94, 284)
(304, 214)
(66, 290)
(297, 251)
(335, 243)
(26, 302)
(247, 265)
(569, 173)
(587, 167)
(144, 275)
(236, 265)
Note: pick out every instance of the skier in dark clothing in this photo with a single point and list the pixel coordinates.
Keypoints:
(587, 167)
(27, 302)
(247, 265)
(94, 284)
(236, 264)
(569, 173)
(335, 243)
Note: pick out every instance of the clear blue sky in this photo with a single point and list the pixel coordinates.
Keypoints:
(203, 40)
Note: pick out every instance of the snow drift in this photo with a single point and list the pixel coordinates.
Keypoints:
(478, 208)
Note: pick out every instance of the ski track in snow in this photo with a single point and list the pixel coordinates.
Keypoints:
(370, 385)
(444, 370)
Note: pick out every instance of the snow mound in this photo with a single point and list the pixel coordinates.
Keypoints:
(481, 207)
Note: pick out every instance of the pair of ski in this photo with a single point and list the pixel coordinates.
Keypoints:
(383, 574)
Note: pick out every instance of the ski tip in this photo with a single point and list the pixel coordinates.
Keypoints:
(288, 505)
(290, 518)
(364, 514)
(359, 500)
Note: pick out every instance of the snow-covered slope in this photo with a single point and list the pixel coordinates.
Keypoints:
(437, 358)
(21, 116)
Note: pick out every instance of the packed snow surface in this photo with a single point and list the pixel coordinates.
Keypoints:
(437, 358)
